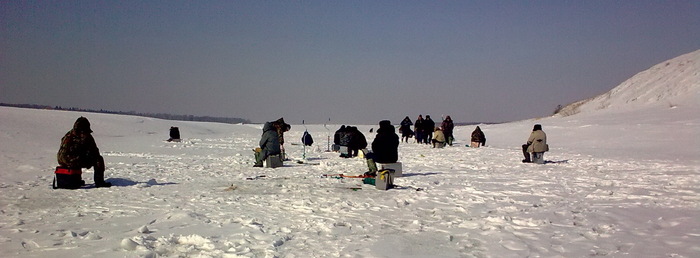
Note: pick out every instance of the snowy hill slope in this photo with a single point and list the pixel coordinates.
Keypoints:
(671, 83)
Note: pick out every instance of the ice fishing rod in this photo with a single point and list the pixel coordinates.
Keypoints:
(328, 136)
(303, 156)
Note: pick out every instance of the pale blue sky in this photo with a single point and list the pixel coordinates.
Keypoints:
(356, 62)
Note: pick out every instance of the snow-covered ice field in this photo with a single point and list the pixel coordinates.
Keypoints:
(622, 182)
(603, 195)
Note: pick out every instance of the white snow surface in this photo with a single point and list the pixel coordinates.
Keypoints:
(618, 186)
(619, 183)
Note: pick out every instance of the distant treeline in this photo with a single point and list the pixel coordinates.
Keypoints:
(475, 123)
(227, 120)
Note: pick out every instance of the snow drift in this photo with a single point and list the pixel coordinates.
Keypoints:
(667, 84)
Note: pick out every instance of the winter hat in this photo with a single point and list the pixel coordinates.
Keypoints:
(82, 125)
(537, 127)
(384, 123)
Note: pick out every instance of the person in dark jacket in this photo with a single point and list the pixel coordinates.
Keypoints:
(344, 139)
(79, 150)
(419, 129)
(174, 134)
(356, 142)
(336, 137)
(405, 129)
(269, 144)
(429, 128)
(447, 129)
(385, 147)
(478, 138)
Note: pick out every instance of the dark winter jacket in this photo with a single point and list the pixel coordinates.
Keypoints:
(78, 148)
(269, 142)
(428, 125)
(345, 136)
(478, 136)
(174, 133)
(338, 134)
(447, 126)
(386, 144)
(356, 140)
(405, 128)
(419, 126)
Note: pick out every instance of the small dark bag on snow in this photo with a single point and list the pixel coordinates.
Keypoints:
(67, 178)
(307, 139)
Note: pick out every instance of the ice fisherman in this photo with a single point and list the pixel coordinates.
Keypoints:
(478, 138)
(356, 142)
(174, 134)
(536, 144)
(79, 150)
(385, 147)
(439, 138)
(281, 128)
(269, 144)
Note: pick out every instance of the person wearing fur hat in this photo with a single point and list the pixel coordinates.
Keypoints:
(79, 150)
(536, 144)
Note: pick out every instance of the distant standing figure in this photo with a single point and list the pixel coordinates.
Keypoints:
(418, 129)
(439, 139)
(79, 150)
(429, 127)
(269, 144)
(447, 129)
(478, 138)
(174, 134)
(405, 129)
(536, 144)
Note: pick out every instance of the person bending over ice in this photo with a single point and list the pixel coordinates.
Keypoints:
(269, 144)
(79, 150)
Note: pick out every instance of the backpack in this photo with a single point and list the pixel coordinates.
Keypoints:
(306, 139)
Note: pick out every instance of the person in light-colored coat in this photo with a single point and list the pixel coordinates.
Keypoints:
(536, 143)
(438, 138)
